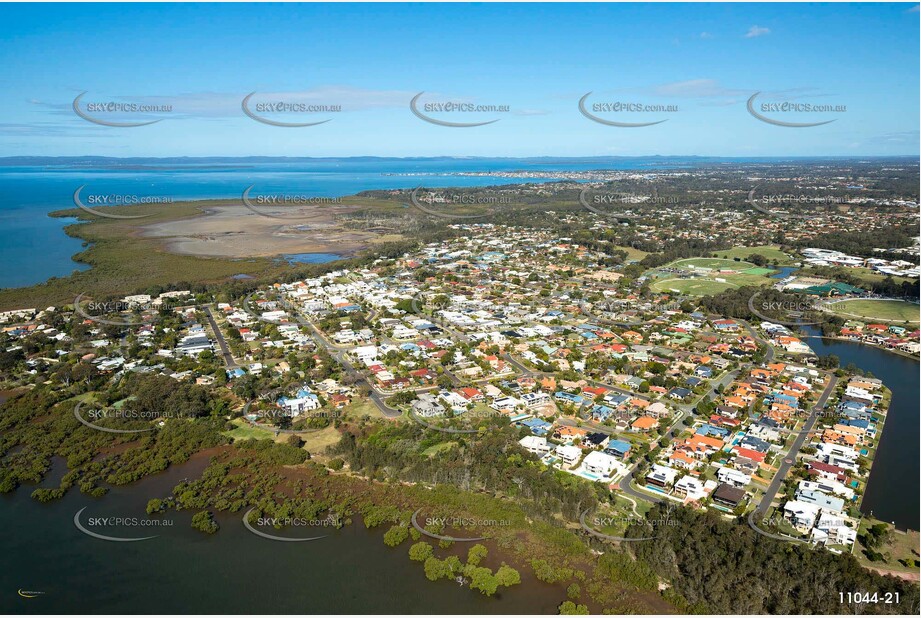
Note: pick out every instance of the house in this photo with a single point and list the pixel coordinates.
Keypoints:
(728, 496)
(569, 434)
(644, 424)
(690, 487)
(569, 454)
(822, 500)
(302, 402)
(679, 393)
(733, 477)
(470, 394)
(661, 476)
(801, 514)
(596, 439)
(537, 426)
(427, 406)
(618, 448)
(535, 400)
(536, 445)
(604, 465)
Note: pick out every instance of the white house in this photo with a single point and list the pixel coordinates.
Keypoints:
(604, 465)
(568, 453)
(733, 477)
(534, 444)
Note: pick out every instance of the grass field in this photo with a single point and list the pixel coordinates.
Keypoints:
(244, 431)
(772, 253)
(714, 263)
(888, 310)
(691, 287)
(901, 546)
(758, 271)
(633, 254)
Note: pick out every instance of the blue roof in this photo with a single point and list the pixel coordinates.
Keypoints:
(621, 446)
(568, 397)
(711, 430)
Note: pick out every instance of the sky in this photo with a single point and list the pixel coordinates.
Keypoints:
(696, 64)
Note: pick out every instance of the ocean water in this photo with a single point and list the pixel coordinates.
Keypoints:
(33, 246)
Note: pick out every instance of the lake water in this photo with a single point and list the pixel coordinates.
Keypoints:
(310, 258)
(233, 571)
(893, 488)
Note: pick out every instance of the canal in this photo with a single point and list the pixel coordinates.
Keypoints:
(892, 493)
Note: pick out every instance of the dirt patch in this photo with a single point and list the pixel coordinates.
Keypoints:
(234, 231)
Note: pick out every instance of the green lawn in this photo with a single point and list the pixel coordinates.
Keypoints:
(771, 252)
(888, 310)
(901, 546)
(714, 263)
(244, 431)
(691, 287)
(633, 254)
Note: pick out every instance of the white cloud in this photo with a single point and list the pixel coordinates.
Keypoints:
(756, 31)
(706, 35)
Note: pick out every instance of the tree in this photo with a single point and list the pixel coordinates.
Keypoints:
(476, 554)
(396, 535)
(420, 552)
(507, 576)
(436, 569)
(568, 608)
(294, 440)
(204, 521)
(483, 580)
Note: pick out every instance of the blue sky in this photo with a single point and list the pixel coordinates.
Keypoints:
(537, 59)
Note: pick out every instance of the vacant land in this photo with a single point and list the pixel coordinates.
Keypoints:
(886, 310)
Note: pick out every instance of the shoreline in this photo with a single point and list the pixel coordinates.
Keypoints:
(869, 345)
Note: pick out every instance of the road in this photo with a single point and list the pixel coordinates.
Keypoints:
(791, 455)
(225, 349)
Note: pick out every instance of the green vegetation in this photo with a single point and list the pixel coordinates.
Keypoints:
(712, 263)
(771, 253)
(204, 521)
(691, 287)
(883, 310)
(710, 561)
(420, 552)
(396, 535)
